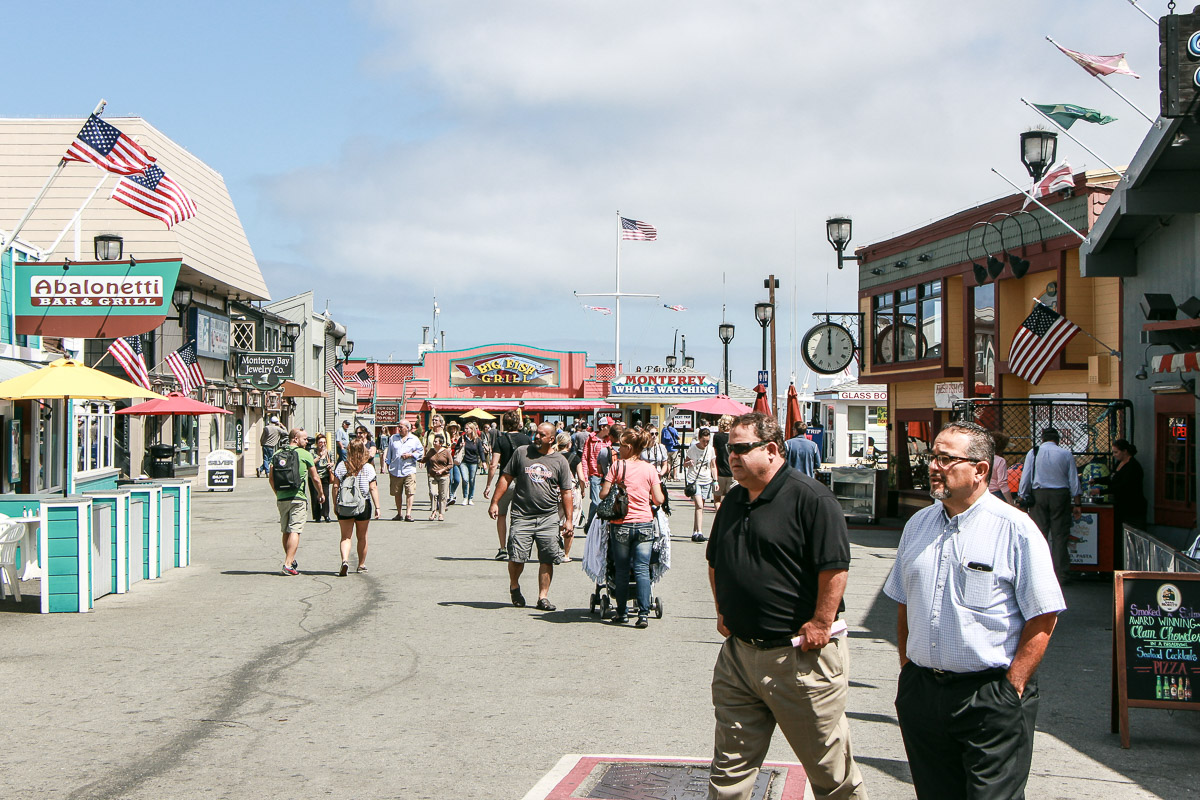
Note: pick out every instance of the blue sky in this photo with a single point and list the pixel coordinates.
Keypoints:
(381, 153)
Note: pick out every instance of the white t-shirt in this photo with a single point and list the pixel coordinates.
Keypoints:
(701, 470)
(365, 476)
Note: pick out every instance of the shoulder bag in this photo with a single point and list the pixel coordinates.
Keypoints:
(1026, 499)
(616, 504)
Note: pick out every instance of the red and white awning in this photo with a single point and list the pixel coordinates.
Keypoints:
(541, 404)
(1176, 362)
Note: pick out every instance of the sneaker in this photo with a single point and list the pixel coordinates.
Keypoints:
(544, 604)
(698, 537)
(345, 568)
(619, 619)
(502, 554)
(451, 502)
(643, 621)
(518, 599)
(288, 569)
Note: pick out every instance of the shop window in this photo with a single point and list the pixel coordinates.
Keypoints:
(984, 337)
(1175, 480)
(241, 334)
(856, 418)
(858, 444)
(912, 453)
(907, 324)
(94, 440)
(186, 438)
(877, 415)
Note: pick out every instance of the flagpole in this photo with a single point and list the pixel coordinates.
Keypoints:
(1072, 138)
(50, 250)
(1128, 102)
(1134, 3)
(617, 355)
(1110, 350)
(1041, 205)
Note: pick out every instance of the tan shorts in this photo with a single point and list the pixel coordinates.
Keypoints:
(292, 514)
(399, 486)
(505, 501)
(724, 484)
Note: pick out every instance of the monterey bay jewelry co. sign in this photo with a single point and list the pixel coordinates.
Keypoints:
(93, 300)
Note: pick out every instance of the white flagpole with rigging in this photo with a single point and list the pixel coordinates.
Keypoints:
(616, 294)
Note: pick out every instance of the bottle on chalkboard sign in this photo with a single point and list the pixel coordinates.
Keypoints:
(1174, 691)
(1158, 687)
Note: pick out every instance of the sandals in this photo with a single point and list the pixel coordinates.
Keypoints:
(362, 568)
(433, 517)
(518, 599)
(408, 518)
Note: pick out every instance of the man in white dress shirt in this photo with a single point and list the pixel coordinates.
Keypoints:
(1054, 480)
(978, 603)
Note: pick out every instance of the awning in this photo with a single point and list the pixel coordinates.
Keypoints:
(541, 404)
(1176, 362)
(10, 368)
(293, 389)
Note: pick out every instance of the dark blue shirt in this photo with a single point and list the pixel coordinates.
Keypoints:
(802, 454)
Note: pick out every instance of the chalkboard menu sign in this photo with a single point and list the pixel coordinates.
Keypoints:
(1156, 643)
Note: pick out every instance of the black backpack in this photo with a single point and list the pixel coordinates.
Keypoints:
(285, 468)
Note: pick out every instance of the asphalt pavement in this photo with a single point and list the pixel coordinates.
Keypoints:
(420, 680)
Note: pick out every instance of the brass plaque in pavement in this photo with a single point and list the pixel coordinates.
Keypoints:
(665, 781)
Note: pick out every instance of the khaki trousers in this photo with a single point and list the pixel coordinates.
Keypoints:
(805, 694)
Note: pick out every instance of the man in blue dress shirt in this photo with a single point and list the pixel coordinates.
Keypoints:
(978, 602)
(802, 452)
(1054, 480)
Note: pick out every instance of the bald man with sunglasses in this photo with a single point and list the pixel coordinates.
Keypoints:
(778, 559)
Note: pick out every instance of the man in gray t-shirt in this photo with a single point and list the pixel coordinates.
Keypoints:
(543, 484)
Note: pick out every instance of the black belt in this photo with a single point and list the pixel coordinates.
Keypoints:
(768, 644)
(944, 676)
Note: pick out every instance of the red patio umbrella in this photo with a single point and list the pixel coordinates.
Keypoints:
(793, 410)
(173, 403)
(761, 405)
(720, 404)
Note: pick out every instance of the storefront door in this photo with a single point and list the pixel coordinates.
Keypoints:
(1175, 460)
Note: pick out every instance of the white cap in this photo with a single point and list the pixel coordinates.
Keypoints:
(275, 419)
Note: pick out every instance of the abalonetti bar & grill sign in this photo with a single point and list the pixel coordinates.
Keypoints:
(93, 300)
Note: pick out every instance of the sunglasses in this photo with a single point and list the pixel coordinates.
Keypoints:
(946, 461)
(741, 448)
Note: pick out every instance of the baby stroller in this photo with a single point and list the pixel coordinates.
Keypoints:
(603, 596)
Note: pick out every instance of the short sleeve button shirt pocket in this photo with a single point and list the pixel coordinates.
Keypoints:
(975, 588)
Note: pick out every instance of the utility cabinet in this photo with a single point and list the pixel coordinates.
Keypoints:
(862, 491)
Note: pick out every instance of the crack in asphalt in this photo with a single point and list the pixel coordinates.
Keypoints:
(244, 684)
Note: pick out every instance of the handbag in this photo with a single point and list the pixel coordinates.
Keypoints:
(460, 451)
(616, 504)
(1026, 500)
(689, 488)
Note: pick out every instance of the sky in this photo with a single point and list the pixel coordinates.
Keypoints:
(386, 153)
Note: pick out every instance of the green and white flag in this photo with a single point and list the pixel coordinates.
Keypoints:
(1066, 114)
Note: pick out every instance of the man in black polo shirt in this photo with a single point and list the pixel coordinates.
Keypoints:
(778, 558)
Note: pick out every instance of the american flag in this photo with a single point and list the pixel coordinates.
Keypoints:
(155, 194)
(362, 378)
(675, 308)
(1041, 337)
(186, 368)
(334, 374)
(127, 351)
(605, 310)
(635, 229)
(103, 145)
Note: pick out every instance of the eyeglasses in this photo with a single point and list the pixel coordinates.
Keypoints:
(947, 461)
(741, 448)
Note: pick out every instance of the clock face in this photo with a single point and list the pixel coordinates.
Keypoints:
(828, 348)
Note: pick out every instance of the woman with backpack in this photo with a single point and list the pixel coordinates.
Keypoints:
(357, 502)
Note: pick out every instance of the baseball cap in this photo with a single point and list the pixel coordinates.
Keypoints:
(275, 419)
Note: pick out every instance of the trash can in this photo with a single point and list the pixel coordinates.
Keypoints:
(162, 461)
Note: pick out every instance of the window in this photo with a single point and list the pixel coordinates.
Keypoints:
(856, 418)
(908, 324)
(241, 334)
(94, 440)
(877, 415)
(186, 439)
(984, 362)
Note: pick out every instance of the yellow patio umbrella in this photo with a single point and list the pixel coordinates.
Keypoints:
(67, 379)
(478, 413)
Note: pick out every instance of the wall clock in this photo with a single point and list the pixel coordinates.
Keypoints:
(828, 348)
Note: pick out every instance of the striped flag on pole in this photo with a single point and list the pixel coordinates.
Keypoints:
(1098, 65)
(127, 351)
(154, 194)
(103, 145)
(636, 229)
(1040, 338)
(186, 368)
(334, 374)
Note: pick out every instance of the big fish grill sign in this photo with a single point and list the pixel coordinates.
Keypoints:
(93, 300)
(502, 368)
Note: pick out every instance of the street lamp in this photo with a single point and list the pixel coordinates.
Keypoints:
(291, 332)
(764, 312)
(347, 347)
(1038, 151)
(671, 362)
(688, 362)
(725, 332)
(837, 231)
(108, 247)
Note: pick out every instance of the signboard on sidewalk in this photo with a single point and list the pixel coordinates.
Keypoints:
(220, 471)
(684, 421)
(1156, 647)
(93, 300)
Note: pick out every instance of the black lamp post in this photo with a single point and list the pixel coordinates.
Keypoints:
(689, 362)
(291, 332)
(838, 231)
(764, 312)
(347, 347)
(108, 247)
(671, 361)
(725, 332)
(1039, 149)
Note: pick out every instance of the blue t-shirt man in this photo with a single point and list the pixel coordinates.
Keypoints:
(803, 454)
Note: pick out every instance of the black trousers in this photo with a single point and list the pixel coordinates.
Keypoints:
(967, 736)
(1052, 513)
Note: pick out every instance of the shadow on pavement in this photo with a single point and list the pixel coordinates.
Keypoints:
(303, 572)
(30, 604)
(483, 605)
(469, 558)
(897, 768)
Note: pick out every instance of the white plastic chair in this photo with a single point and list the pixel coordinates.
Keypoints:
(11, 532)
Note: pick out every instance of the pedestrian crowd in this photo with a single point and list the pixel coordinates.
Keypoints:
(976, 579)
